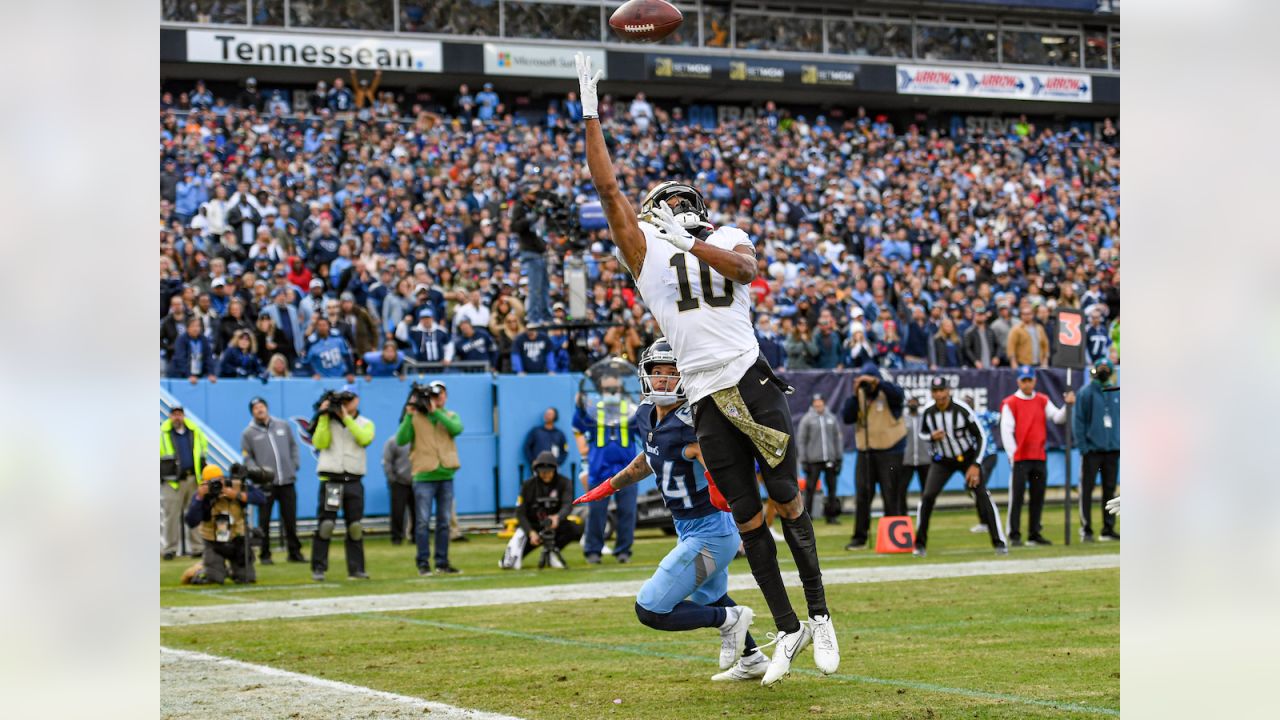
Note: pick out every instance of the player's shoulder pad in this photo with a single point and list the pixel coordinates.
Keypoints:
(685, 414)
(729, 237)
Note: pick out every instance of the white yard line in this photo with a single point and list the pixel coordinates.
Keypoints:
(195, 685)
(270, 610)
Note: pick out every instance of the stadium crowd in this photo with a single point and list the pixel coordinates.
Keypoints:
(358, 233)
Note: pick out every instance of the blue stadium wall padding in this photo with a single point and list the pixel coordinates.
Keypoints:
(521, 400)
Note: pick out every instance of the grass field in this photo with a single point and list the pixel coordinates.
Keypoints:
(1009, 646)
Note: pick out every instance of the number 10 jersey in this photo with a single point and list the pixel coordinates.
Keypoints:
(705, 316)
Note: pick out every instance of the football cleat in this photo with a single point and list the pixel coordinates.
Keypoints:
(826, 651)
(747, 668)
(733, 634)
(789, 646)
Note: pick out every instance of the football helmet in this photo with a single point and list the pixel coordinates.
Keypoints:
(660, 353)
(689, 209)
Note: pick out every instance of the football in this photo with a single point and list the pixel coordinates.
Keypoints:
(645, 20)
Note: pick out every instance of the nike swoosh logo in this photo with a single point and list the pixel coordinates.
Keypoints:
(764, 380)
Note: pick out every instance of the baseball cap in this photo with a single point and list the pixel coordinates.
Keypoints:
(347, 296)
(426, 312)
(939, 383)
(1026, 372)
(421, 288)
(210, 472)
(316, 283)
(255, 400)
(218, 282)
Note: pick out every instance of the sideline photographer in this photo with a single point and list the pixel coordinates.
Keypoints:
(544, 505)
(875, 411)
(270, 453)
(218, 511)
(525, 214)
(429, 430)
(342, 436)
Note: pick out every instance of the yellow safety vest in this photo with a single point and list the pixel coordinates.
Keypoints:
(600, 427)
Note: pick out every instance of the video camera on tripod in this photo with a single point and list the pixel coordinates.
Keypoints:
(550, 557)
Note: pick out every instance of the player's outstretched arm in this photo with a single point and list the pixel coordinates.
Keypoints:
(623, 226)
(630, 475)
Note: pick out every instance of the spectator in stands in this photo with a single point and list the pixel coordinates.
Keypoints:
(771, 344)
(948, 350)
(465, 103)
(474, 310)
(546, 438)
(359, 324)
(192, 355)
(981, 349)
(233, 322)
(269, 442)
(473, 346)
(1004, 322)
(268, 339)
(1028, 342)
(328, 354)
(285, 318)
(396, 306)
(532, 353)
(340, 99)
(433, 454)
(173, 325)
(1097, 336)
(828, 352)
(278, 366)
(388, 362)
(240, 359)
(800, 348)
(860, 351)
(487, 103)
(641, 113)
(917, 341)
(429, 343)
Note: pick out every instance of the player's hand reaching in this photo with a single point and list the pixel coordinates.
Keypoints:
(673, 232)
(587, 86)
(599, 492)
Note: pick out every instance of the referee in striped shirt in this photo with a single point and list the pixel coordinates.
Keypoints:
(958, 444)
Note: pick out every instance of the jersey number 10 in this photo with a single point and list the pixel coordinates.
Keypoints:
(679, 261)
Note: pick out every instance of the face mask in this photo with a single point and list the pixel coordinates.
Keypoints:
(664, 399)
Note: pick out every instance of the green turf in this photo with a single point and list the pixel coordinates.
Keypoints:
(393, 569)
(1015, 646)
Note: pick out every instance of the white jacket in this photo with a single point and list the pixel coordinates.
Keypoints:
(345, 454)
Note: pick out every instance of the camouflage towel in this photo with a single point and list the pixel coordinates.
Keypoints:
(771, 443)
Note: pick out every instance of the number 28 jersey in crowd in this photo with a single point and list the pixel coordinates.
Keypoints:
(680, 480)
(705, 316)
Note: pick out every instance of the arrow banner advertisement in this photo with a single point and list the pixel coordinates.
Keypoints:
(1007, 84)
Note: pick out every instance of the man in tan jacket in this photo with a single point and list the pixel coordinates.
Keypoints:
(875, 411)
(429, 430)
(1028, 341)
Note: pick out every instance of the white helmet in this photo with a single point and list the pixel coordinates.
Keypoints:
(690, 211)
(660, 353)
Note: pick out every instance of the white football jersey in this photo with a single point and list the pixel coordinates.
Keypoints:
(705, 316)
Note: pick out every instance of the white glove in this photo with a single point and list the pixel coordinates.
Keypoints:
(1113, 505)
(673, 232)
(587, 86)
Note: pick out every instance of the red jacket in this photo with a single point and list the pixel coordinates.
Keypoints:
(1023, 427)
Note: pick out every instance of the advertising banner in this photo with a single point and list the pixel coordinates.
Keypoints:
(248, 47)
(537, 60)
(662, 66)
(979, 389)
(1006, 84)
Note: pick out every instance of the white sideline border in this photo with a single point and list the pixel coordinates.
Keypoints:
(221, 676)
(399, 602)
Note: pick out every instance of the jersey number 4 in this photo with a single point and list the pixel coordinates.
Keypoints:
(679, 261)
(674, 486)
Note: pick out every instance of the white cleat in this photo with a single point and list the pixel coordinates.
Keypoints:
(789, 645)
(747, 668)
(826, 651)
(979, 528)
(733, 634)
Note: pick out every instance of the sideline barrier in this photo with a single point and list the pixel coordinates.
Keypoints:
(497, 413)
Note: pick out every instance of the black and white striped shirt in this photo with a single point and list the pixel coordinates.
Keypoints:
(964, 440)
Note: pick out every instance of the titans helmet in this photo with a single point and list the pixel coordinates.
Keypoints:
(660, 353)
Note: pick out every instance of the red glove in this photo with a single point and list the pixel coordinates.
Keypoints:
(599, 492)
(716, 498)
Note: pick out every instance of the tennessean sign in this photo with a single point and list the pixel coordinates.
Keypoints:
(322, 51)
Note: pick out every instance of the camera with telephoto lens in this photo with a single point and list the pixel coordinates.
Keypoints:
(336, 398)
(252, 475)
(421, 395)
